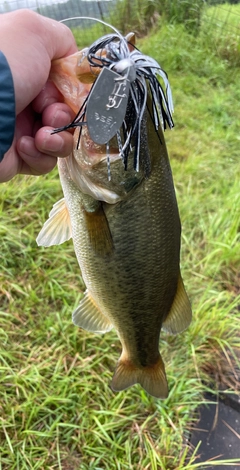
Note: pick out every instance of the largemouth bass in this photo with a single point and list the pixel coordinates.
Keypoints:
(126, 234)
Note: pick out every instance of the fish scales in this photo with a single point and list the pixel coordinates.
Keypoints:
(134, 286)
(128, 252)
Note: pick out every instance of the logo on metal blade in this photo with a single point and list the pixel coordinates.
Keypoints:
(106, 106)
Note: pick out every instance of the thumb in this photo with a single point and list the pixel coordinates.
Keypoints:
(30, 42)
(56, 37)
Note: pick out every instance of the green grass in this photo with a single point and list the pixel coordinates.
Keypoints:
(56, 408)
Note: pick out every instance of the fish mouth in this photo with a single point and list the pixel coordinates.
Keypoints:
(90, 166)
(89, 153)
(74, 78)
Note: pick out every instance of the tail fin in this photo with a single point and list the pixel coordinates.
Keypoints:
(151, 378)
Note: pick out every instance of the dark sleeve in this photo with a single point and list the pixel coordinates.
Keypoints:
(7, 106)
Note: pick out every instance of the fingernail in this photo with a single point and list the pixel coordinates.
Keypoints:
(52, 142)
(61, 118)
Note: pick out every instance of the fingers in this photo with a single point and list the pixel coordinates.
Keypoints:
(58, 145)
(34, 162)
(39, 110)
(10, 165)
(39, 40)
(35, 155)
(47, 96)
(39, 152)
(58, 38)
(45, 143)
(57, 115)
(61, 144)
(50, 104)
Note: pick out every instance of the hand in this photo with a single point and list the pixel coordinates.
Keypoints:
(30, 42)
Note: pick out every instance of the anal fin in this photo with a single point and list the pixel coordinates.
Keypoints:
(180, 314)
(152, 378)
(88, 316)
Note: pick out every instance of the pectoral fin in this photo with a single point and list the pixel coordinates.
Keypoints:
(98, 231)
(180, 314)
(57, 229)
(88, 316)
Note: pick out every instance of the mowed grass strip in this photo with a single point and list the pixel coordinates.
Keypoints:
(57, 410)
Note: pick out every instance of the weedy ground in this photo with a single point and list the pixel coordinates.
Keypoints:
(57, 410)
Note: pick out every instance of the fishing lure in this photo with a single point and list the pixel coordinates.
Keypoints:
(117, 99)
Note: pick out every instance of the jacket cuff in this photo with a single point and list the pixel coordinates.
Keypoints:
(7, 106)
